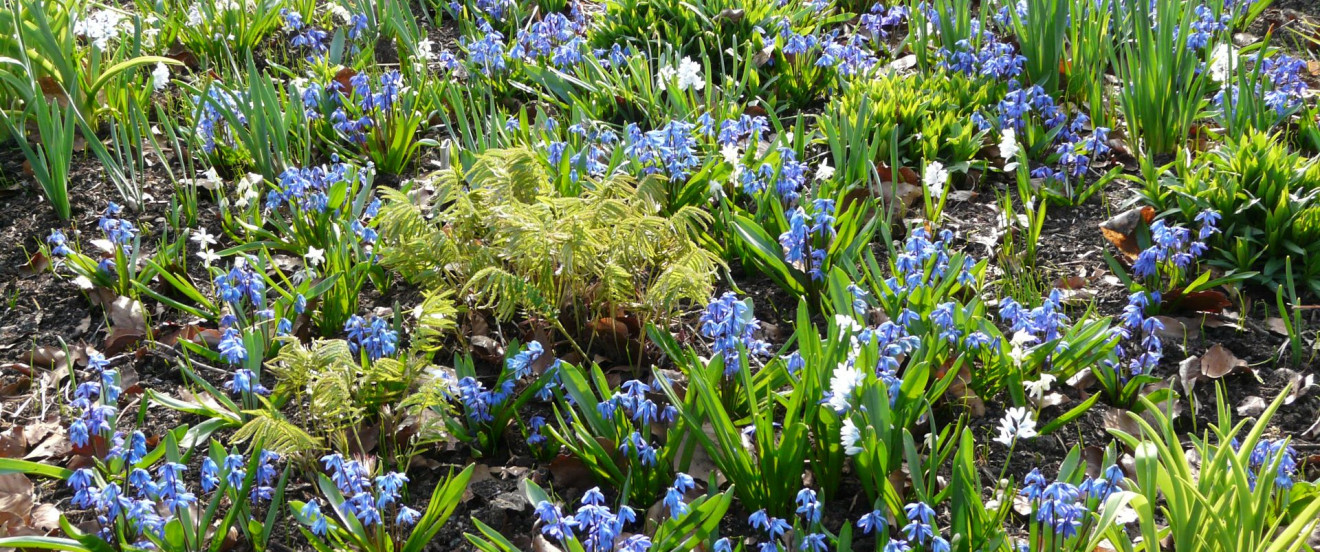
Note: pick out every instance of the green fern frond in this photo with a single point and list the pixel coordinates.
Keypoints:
(505, 293)
(275, 433)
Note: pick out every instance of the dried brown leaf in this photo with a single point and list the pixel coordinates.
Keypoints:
(1218, 362)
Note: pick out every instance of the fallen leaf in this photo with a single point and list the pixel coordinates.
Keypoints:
(1218, 362)
(1121, 229)
(16, 495)
(12, 443)
(1176, 330)
(35, 265)
(1301, 386)
(570, 473)
(1251, 406)
(1070, 282)
(1118, 418)
(45, 517)
(1211, 301)
(1189, 372)
(1276, 325)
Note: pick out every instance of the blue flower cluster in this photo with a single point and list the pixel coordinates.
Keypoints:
(487, 55)
(594, 526)
(631, 400)
(1021, 104)
(878, 21)
(773, 527)
(135, 497)
(730, 323)
(1042, 324)
(240, 283)
(1057, 505)
(1100, 488)
(1280, 85)
(306, 188)
(675, 496)
(790, 178)
(95, 402)
(670, 150)
(119, 231)
(1075, 153)
(805, 241)
(372, 336)
(744, 129)
(1205, 24)
(305, 37)
(1173, 244)
(210, 115)
(1269, 453)
(1135, 326)
(478, 401)
(520, 365)
(367, 500)
(920, 530)
(59, 246)
(592, 152)
(994, 58)
(922, 255)
(555, 37)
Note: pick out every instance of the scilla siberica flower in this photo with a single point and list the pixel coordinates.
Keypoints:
(594, 526)
(118, 231)
(59, 247)
(730, 323)
(1135, 327)
(1269, 453)
(95, 401)
(683, 483)
(239, 284)
(670, 149)
(373, 337)
(1173, 246)
(1056, 504)
(521, 364)
(364, 499)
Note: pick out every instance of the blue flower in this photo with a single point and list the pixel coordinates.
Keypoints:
(407, 517)
(374, 337)
(730, 323)
(58, 244)
(210, 475)
(312, 511)
(872, 521)
(521, 364)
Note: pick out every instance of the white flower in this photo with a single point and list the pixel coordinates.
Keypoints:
(845, 380)
(160, 76)
(202, 238)
(663, 76)
(195, 17)
(847, 323)
(689, 75)
(1017, 424)
(341, 13)
(824, 171)
(424, 51)
(1036, 389)
(99, 27)
(935, 178)
(849, 436)
(731, 154)
(1222, 58)
(208, 257)
(314, 256)
(1008, 148)
(246, 189)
